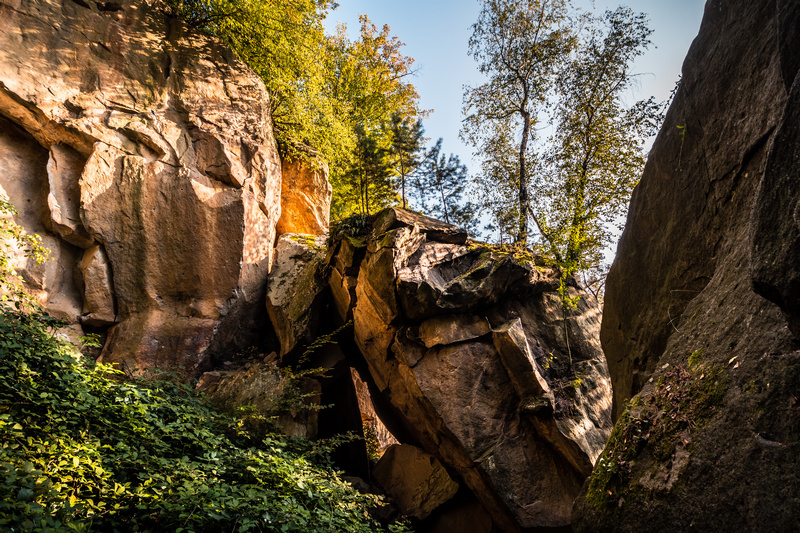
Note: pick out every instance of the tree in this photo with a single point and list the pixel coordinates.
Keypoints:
(407, 137)
(372, 172)
(597, 152)
(444, 178)
(369, 75)
(519, 45)
(327, 92)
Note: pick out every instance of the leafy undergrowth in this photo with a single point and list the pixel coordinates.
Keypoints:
(81, 451)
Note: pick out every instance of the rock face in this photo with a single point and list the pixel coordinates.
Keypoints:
(294, 288)
(701, 293)
(305, 197)
(145, 157)
(416, 481)
(262, 386)
(468, 346)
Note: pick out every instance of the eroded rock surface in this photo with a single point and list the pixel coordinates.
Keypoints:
(691, 322)
(144, 156)
(305, 197)
(294, 288)
(416, 481)
(468, 346)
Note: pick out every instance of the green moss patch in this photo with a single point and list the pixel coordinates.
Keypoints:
(652, 428)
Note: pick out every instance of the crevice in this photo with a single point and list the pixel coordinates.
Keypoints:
(108, 6)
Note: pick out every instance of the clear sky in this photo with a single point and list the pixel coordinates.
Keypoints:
(436, 33)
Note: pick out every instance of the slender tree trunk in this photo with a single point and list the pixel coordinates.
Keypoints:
(444, 202)
(403, 179)
(524, 201)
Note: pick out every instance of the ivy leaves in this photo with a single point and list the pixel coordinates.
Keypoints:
(82, 451)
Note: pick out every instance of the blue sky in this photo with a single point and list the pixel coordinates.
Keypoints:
(436, 33)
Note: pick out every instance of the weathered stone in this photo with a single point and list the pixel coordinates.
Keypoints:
(451, 329)
(461, 514)
(775, 229)
(305, 197)
(436, 230)
(160, 147)
(422, 356)
(63, 171)
(369, 417)
(294, 288)
(98, 294)
(263, 386)
(711, 361)
(24, 179)
(416, 481)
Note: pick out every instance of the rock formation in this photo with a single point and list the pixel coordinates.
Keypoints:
(468, 346)
(144, 156)
(701, 293)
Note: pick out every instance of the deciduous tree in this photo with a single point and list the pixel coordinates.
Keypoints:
(519, 45)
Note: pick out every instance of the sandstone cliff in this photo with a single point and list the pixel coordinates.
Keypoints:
(145, 158)
(701, 293)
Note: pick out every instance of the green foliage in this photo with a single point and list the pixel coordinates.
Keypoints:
(406, 149)
(439, 189)
(596, 155)
(13, 238)
(353, 226)
(519, 45)
(80, 450)
(329, 92)
(544, 64)
(371, 438)
(695, 357)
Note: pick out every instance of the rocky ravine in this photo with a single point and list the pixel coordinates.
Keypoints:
(145, 158)
(701, 305)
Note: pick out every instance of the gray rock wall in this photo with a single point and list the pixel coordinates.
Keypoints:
(691, 324)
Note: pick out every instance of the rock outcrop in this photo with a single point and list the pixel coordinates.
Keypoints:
(468, 346)
(144, 156)
(294, 289)
(416, 481)
(701, 293)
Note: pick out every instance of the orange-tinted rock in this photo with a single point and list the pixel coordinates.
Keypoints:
(305, 197)
(157, 144)
(415, 480)
(424, 317)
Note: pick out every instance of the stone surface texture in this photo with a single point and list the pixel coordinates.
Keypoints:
(144, 156)
(262, 386)
(294, 288)
(416, 481)
(504, 413)
(705, 283)
(305, 197)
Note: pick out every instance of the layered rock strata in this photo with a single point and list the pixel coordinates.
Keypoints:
(701, 302)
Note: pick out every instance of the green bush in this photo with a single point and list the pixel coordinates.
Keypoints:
(82, 451)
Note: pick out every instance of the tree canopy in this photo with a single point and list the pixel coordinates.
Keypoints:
(549, 68)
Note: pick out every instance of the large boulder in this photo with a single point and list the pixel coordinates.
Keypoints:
(691, 328)
(470, 347)
(416, 481)
(145, 157)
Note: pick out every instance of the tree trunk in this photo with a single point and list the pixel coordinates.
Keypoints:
(524, 201)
